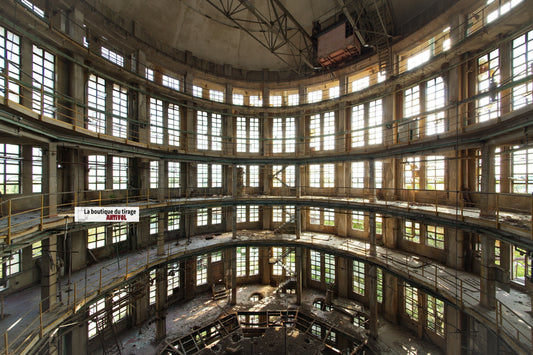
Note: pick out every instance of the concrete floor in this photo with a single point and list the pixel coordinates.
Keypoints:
(456, 285)
(24, 223)
(202, 310)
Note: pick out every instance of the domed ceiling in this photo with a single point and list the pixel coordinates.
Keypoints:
(264, 34)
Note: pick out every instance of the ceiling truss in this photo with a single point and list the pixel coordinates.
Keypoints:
(274, 28)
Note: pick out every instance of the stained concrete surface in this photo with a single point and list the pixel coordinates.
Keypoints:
(182, 319)
(458, 286)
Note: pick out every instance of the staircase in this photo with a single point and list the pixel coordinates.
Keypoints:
(107, 334)
(220, 292)
(288, 226)
(281, 261)
(384, 56)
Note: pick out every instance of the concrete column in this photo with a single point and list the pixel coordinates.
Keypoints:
(342, 223)
(77, 80)
(266, 97)
(389, 113)
(453, 85)
(341, 178)
(141, 291)
(49, 273)
(190, 178)
(298, 222)
(161, 303)
(228, 131)
(343, 286)
(161, 228)
(372, 294)
(343, 85)
(265, 265)
(455, 248)
(233, 275)
(162, 182)
(26, 61)
(142, 103)
(342, 124)
(391, 232)
(488, 283)
(50, 177)
(372, 232)
(506, 258)
(390, 298)
(27, 169)
(372, 180)
(505, 170)
(506, 75)
(76, 339)
(229, 94)
(298, 180)
(190, 278)
(234, 222)
(189, 127)
(487, 199)
(108, 120)
(265, 131)
(300, 129)
(453, 330)
(299, 275)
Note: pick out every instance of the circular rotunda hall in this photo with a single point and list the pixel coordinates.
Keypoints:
(266, 177)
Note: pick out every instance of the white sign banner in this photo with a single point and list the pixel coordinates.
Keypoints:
(106, 214)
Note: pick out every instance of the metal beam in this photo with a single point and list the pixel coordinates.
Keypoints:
(276, 30)
(352, 22)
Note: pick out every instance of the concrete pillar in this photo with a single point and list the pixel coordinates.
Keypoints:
(229, 146)
(453, 330)
(488, 283)
(505, 170)
(162, 180)
(343, 286)
(342, 124)
(141, 291)
(265, 268)
(390, 298)
(506, 75)
(26, 51)
(487, 199)
(161, 303)
(142, 103)
(161, 228)
(49, 273)
(455, 248)
(229, 94)
(341, 178)
(298, 222)
(298, 180)
(391, 232)
(388, 117)
(78, 246)
(372, 294)
(50, 177)
(371, 180)
(372, 232)
(343, 85)
(506, 258)
(234, 222)
(266, 97)
(27, 168)
(233, 275)
(299, 275)
(190, 278)
(342, 223)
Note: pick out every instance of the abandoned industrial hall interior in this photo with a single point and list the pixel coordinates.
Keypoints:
(266, 177)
